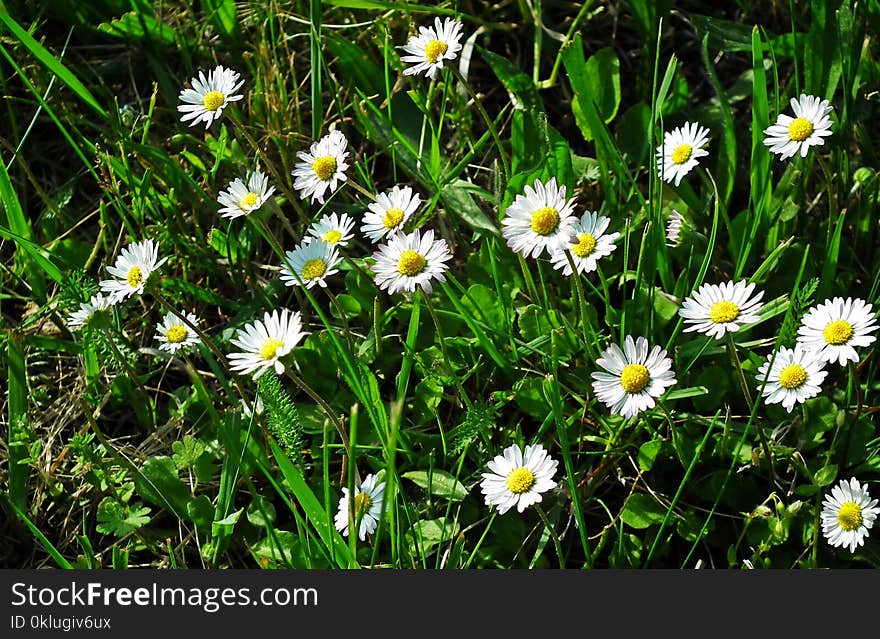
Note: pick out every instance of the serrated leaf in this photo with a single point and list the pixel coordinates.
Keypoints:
(439, 483)
(187, 452)
(158, 483)
(120, 520)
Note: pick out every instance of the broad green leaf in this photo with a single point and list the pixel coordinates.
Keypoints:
(826, 475)
(648, 453)
(438, 482)
(158, 483)
(140, 26)
(642, 511)
(187, 452)
(118, 519)
(427, 533)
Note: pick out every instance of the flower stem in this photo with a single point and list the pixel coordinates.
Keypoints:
(552, 531)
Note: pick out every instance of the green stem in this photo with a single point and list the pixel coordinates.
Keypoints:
(552, 532)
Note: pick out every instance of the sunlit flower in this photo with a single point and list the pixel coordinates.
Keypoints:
(518, 478)
(367, 507)
(809, 126)
(716, 309)
(86, 310)
(389, 213)
(209, 95)
(322, 168)
(681, 149)
(133, 268)
(174, 334)
(634, 376)
(590, 244)
(833, 328)
(410, 261)
(794, 377)
(432, 47)
(848, 513)
(540, 219)
(241, 199)
(310, 263)
(264, 342)
(334, 229)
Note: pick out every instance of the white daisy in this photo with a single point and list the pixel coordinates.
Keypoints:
(334, 229)
(367, 507)
(681, 149)
(432, 47)
(310, 263)
(634, 378)
(241, 199)
(322, 168)
(389, 213)
(794, 377)
(540, 219)
(174, 333)
(264, 342)
(408, 261)
(716, 309)
(133, 268)
(590, 245)
(518, 478)
(809, 127)
(835, 327)
(81, 316)
(848, 513)
(673, 228)
(209, 96)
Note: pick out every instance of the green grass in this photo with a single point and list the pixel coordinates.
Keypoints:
(117, 454)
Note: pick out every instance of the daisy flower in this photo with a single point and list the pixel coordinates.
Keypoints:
(634, 376)
(673, 228)
(174, 333)
(848, 513)
(518, 478)
(367, 507)
(835, 326)
(794, 376)
(209, 95)
(591, 244)
(322, 168)
(310, 263)
(240, 199)
(132, 270)
(408, 261)
(81, 316)
(428, 50)
(809, 127)
(681, 149)
(389, 213)
(716, 309)
(540, 219)
(334, 229)
(264, 342)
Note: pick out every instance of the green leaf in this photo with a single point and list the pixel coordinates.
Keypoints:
(261, 512)
(642, 511)
(648, 453)
(427, 533)
(438, 482)
(826, 475)
(595, 81)
(158, 483)
(117, 519)
(458, 200)
(140, 26)
(187, 452)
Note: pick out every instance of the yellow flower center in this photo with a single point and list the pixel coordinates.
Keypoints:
(213, 100)
(332, 237)
(634, 378)
(176, 334)
(248, 201)
(520, 480)
(314, 269)
(682, 153)
(362, 503)
(135, 277)
(545, 221)
(411, 263)
(838, 332)
(723, 312)
(849, 516)
(585, 246)
(393, 217)
(434, 49)
(324, 167)
(792, 376)
(270, 347)
(800, 129)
